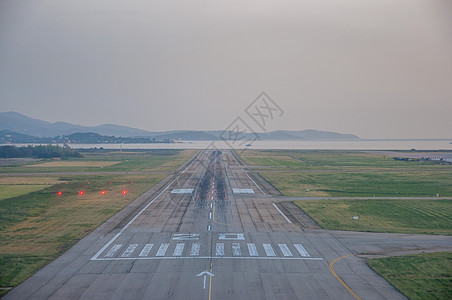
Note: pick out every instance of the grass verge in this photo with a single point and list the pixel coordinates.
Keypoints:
(395, 215)
(421, 276)
(365, 184)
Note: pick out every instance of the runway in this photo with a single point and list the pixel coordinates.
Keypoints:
(210, 232)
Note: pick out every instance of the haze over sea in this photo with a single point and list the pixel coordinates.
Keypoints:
(321, 145)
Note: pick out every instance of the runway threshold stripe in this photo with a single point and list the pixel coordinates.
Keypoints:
(113, 250)
(269, 250)
(219, 250)
(179, 249)
(147, 248)
(252, 249)
(129, 250)
(301, 250)
(195, 249)
(236, 249)
(162, 249)
(285, 250)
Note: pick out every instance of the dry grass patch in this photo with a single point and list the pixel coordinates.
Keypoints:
(75, 163)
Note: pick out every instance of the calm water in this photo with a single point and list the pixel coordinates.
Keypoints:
(321, 145)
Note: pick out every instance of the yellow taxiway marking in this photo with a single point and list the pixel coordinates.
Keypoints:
(340, 280)
(210, 282)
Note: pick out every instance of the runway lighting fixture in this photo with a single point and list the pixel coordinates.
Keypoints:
(81, 193)
(124, 192)
(60, 193)
(102, 192)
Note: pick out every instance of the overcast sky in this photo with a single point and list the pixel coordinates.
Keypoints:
(375, 68)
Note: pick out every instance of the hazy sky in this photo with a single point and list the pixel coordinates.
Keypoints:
(375, 68)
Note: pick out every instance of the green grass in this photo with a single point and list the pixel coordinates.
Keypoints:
(398, 216)
(17, 190)
(38, 226)
(328, 159)
(131, 161)
(422, 276)
(362, 184)
(348, 173)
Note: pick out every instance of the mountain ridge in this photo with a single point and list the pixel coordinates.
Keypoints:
(19, 123)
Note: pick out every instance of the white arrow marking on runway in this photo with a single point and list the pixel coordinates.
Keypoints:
(204, 281)
(205, 273)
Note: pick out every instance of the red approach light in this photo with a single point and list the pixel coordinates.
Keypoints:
(124, 192)
(131, 182)
(102, 192)
(81, 192)
(88, 182)
(110, 182)
(60, 193)
(66, 182)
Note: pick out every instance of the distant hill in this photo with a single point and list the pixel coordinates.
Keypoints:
(20, 124)
(11, 137)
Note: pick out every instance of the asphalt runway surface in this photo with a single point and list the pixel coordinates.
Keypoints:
(209, 231)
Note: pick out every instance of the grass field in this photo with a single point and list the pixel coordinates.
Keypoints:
(328, 160)
(37, 226)
(422, 276)
(348, 173)
(402, 216)
(362, 184)
(159, 160)
(15, 186)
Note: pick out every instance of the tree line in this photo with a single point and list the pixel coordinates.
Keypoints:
(48, 151)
